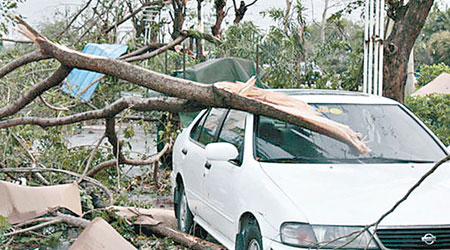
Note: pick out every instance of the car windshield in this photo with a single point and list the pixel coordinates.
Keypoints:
(391, 133)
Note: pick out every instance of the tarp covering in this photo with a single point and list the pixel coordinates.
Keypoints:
(99, 235)
(82, 83)
(440, 85)
(223, 69)
(21, 203)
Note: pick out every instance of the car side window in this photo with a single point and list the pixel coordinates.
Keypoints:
(210, 126)
(195, 132)
(233, 129)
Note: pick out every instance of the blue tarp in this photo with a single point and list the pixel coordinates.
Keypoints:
(82, 83)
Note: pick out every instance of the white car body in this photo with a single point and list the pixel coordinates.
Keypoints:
(319, 194)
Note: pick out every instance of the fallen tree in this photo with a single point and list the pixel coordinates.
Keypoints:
(217, 95)
(182, 96)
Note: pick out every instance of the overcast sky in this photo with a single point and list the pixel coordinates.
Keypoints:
(36, 11)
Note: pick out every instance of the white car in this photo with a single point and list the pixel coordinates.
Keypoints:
(253, 182)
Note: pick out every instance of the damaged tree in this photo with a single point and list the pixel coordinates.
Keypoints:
(409, 19)
(183, 96)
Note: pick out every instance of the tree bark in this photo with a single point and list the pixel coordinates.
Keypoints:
(179, 11)
(324, 21)
(139, 104)
(409, 20)
(55, 79)
(187, 240)
(34, 56)
(220, 15)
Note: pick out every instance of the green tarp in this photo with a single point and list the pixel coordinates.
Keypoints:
(222, 69)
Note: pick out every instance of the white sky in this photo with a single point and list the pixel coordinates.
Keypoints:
(36, 11)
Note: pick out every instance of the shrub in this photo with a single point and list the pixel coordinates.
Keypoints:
(429, 72)
(434, 111)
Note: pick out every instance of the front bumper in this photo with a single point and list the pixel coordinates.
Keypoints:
(275, 245)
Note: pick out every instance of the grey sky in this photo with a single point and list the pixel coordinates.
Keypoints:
(41, 10)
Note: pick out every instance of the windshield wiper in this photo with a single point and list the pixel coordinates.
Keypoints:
(298, 159)
(388, 160)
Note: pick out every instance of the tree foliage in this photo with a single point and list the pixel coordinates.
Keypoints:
(429, 72)
(433, 110)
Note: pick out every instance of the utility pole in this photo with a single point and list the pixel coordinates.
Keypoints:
(373, 46)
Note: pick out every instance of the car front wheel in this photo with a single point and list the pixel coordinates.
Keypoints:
(184, 215)
(251, 236)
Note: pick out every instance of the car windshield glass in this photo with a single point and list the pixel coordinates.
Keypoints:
(391, 133)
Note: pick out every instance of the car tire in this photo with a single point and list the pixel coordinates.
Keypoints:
(251, 236)
(184, 214)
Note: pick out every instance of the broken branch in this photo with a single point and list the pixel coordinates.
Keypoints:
(48, 223)
(190, 241)
(23, 60)
(156, 52)
(35, 91)
(170, 104)
(48, 105)
(120, 158)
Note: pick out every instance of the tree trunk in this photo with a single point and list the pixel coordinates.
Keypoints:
(179, 11)
(324, 21)
(409, 20)
(220, 15)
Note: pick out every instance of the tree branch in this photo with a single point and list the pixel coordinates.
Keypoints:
(91, 156)
(156, 52)
(134, 13)
(14, 40)
(110, 133)
(250, 4)
(35, 91)
(23, 60)
(170, 104)
(48, 105)
(30, 155)
(48, 223)
(74, 18)
(146, 48)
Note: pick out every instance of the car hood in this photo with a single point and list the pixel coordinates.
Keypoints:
(358, 194)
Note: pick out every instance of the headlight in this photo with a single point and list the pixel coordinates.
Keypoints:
(306, 235)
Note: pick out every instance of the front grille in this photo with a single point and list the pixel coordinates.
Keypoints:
(415, 238)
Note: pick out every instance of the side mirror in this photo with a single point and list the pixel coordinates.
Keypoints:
(221, 151)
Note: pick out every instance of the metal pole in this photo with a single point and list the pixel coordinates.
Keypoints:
(366, 47)
(370, 76)
(380, 65)
(377, 46)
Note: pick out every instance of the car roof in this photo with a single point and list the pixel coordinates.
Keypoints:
(334, 96)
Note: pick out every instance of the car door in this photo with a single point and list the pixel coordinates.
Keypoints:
(219, 181)
(202, 133)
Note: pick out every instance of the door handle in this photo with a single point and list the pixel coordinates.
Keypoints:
(184, 151)
(207, 165)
